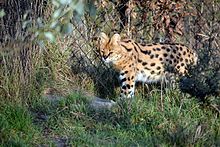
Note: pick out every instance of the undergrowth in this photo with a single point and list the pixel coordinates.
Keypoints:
(140, 122)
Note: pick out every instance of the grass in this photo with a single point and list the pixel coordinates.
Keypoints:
(16, 127)
(141, 122)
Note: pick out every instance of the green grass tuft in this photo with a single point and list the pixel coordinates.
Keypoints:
(16, 127)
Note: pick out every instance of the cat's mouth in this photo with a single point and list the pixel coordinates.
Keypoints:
(111, 60)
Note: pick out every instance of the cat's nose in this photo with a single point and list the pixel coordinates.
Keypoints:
(105, 56)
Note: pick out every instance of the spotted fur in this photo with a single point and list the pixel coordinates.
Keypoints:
(145, 63)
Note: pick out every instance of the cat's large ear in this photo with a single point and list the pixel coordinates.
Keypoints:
(103, 38)
(116, 38)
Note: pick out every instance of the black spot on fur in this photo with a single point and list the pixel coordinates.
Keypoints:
(144, 63)
(127, 41)
(135, 49)
(186, 60)
(161, 59)
(168, 49)
(146, 68)
(163, 47)
(165, 55)
(181, 48)
(158, 67)
(170, 62)
(178, 66)
(158, 49)
(139, 60)
(171, 56)
(123, 87)
(128, 86)
(122, 73)
(184, 53)
(145, 52)
(156, 56)
(152, 64)
(126, 72)
(182, 64)
(123, 80)
(128, 49)
(151, 56)
(152, 72)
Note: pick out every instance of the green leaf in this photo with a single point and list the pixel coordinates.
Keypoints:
(53, 24)
(92, 9)
(2, 13)
(65, 2)
(25, 15)
(50, 36)
(36, 33)
(67, 28)
(55, 3)
(57, 13)
(26, 24)
(40, 22)
(78, 7)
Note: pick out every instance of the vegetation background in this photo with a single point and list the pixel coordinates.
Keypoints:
(50, 69)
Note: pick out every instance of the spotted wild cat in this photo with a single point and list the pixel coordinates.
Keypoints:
(145, 63)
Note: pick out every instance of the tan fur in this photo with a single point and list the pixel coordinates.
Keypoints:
(146, 63)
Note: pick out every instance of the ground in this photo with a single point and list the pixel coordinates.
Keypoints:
(174, 119)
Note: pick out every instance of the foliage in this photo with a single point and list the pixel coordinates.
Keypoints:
(16, 127)
(60, 21)
(2, 13)
(25, 69)
(70, 121)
